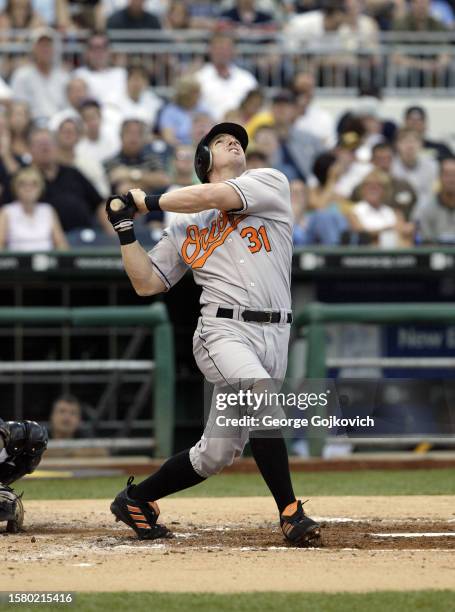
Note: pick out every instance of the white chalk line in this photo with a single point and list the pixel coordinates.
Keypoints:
(414, 535)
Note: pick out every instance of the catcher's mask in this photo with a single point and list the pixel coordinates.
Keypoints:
(203, 156)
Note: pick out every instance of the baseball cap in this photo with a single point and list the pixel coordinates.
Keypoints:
(234, 129)
(366, 106)
(41, 33)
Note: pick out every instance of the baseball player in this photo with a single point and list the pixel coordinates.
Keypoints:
(235, 232)
(22, 444)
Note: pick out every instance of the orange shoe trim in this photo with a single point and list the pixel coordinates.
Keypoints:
(290, 509)
(137, 517)
(143, 525)
(134, 509)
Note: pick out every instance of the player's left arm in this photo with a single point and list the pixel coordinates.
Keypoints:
(193, 199)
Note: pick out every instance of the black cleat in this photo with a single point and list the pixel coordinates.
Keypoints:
(140, 516)
(298, 528)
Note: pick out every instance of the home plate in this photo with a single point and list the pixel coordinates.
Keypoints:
(413, 535)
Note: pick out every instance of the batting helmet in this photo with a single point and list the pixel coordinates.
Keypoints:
(203, 156)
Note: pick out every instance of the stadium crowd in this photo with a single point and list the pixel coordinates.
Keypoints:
(70, 135)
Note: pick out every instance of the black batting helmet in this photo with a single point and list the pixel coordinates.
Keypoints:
(203, 155)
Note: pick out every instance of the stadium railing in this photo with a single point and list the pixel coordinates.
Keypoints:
(162, 365)
(274, 60)
(313, 320)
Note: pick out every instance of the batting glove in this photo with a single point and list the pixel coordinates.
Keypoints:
(120, 210)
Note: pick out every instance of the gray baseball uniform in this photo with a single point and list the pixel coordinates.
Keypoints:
(242, 260)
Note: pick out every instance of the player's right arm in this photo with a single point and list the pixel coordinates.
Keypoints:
(152, 272)
(139, 268)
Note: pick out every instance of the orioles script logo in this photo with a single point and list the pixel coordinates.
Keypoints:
(201, 242)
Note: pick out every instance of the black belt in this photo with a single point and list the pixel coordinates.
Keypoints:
(257, 316)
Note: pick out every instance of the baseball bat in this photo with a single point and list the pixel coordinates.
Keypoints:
(116, 205)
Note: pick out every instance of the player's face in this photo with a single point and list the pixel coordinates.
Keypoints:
(226, 151)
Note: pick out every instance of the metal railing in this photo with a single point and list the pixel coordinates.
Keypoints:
(341, 63)
(154, 317)
(313, 319)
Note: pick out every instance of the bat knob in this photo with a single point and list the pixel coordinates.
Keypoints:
(116, 205)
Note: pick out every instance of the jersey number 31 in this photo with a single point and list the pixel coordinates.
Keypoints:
(257, 238)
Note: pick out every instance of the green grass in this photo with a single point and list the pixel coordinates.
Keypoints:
(375, 482)
(381, 601)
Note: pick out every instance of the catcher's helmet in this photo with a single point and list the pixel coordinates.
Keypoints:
(203, 155)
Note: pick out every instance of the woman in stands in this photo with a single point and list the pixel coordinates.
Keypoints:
(27, 224)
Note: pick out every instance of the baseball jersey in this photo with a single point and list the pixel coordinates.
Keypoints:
(241, 257)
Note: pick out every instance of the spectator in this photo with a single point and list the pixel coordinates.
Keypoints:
(9, 164)
(325, 226)
(140, 101)
(76, 93)
(223, 84)
(245, 15)
(5, 92)
(202, 123)
(415, 118)
(327, 169)
(75, 199)
(437, 218)
(400, 195)
(372, 216)
(351, 170)
(19, 15)
(109, 7)
(308, 29)
(41, 83)
(297, 149)
(250, 107)
(176, 119)
(255, 158)
(97, 142)
(67, 135)
(367, 111)
(178, 16)
(204, 14)
(409, 164)
(298, 201)
(266, 140)
(427, 67)
(27, 224)
(105, 83)
(182, 174)
(136, 161)
(20, 123)
(95, 147)
(65, 419)
(133, 17)
(361, 29)
(310, 117)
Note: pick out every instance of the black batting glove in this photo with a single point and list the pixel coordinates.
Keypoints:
(122, 219)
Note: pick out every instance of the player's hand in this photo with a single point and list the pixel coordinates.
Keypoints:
(138, 196)
(120, 210)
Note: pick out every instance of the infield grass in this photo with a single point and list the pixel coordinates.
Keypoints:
(374, 482)
(380, 601)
